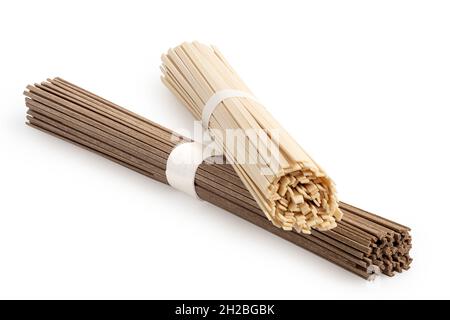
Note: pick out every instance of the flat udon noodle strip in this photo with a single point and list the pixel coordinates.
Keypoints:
(297, 194)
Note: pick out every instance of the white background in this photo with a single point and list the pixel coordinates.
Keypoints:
(362, 85)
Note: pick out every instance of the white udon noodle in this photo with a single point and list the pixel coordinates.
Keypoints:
(296, 193)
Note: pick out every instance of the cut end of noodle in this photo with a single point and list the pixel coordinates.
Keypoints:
(303, 200)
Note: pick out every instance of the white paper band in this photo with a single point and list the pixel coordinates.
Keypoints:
(217, 98)
(183, 161)
(182, 166)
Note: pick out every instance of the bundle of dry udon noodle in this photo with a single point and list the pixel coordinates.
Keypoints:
(293, 192)
(362, 243)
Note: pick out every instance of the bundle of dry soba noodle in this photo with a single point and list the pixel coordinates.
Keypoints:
(289, 186)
